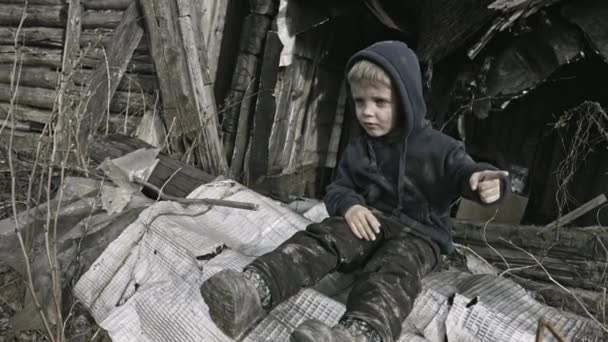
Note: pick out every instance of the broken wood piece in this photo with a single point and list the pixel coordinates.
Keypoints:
(578, 212)
(575, 243)
(175, 177)
(103, 83)
(182, 73)
(540, 332)
(205, 201)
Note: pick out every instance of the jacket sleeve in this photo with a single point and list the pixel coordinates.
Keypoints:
(341, 194)
(459, 167)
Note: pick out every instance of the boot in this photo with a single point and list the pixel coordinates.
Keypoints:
(316, 331)
(234, 303)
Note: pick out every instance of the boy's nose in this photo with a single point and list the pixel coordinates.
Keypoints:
(368, 110)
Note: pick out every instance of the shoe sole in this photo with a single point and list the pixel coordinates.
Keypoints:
(219, 295)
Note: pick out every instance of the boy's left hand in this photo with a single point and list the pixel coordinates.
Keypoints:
(487, 184)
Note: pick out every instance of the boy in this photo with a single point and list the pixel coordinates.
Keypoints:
(389, 208)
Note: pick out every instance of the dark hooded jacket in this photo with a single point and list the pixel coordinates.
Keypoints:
(433, 168)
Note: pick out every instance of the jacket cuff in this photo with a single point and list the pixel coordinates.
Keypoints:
(347, 203)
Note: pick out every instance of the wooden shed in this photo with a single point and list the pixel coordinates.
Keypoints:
(254, 90)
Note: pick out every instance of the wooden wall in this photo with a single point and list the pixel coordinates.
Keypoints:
(37, 54)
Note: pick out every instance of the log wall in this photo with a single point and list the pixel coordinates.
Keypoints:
(37, 54)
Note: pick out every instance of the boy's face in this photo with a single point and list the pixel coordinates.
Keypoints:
(374, 107)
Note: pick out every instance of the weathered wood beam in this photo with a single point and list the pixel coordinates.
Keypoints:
(265, 111)
(36, 118)
(24, 113)
(36, 15)
(212, 14)
(46, 99)
(252, 39)
(52, 57)
(264, 7)
(54, 37)
(48, 78)
(174, 177)
(55, 16)
(578, 212)
(104, 18)
(181, 71)
(588, 243)
(104, 81)
(585, 274)
(34, 2)
(105, 4)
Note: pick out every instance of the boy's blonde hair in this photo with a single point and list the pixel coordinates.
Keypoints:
(366, 72)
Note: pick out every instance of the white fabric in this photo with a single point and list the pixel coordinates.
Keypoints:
(145, 286)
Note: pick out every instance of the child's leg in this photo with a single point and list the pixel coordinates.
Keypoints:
(237, 300)
(384, 294)
(309, 255)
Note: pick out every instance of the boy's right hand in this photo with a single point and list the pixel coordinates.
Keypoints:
(362, 222)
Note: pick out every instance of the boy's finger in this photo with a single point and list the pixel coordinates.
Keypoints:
(490, 192)
(490, 199)
(362, 230)
(373, 222)
(474, 181)
(354, 230)
(491, 175)
(486, 184)
(368, 231)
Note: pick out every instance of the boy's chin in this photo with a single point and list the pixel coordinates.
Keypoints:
(375, 133)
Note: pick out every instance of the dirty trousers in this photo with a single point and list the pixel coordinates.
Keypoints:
(388, 269)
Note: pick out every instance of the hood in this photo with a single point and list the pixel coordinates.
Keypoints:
(401, 65)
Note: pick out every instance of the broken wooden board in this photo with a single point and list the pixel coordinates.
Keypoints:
(181, 67)
(103, 83)
(174, 177)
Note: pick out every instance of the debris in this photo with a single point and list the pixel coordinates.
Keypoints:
(163, 254)
(578, 212)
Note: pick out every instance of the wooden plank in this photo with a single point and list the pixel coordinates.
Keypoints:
(45, 99)
(53, 37)
(71, 51)
(101, 18)
(319, 120)
(264, 7)
(34, 2)
(578, 212)
(265, 111)
(585, 274)
(37, 15)
(212, 14)
(244, 77)
(24, 113)
(293, 90)
(45, 77)
(52, 57)
(37, 36)
(103, 83)
(572, 243)
(106, 4)
(180, 68)
(176, 178)
(333, 147)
